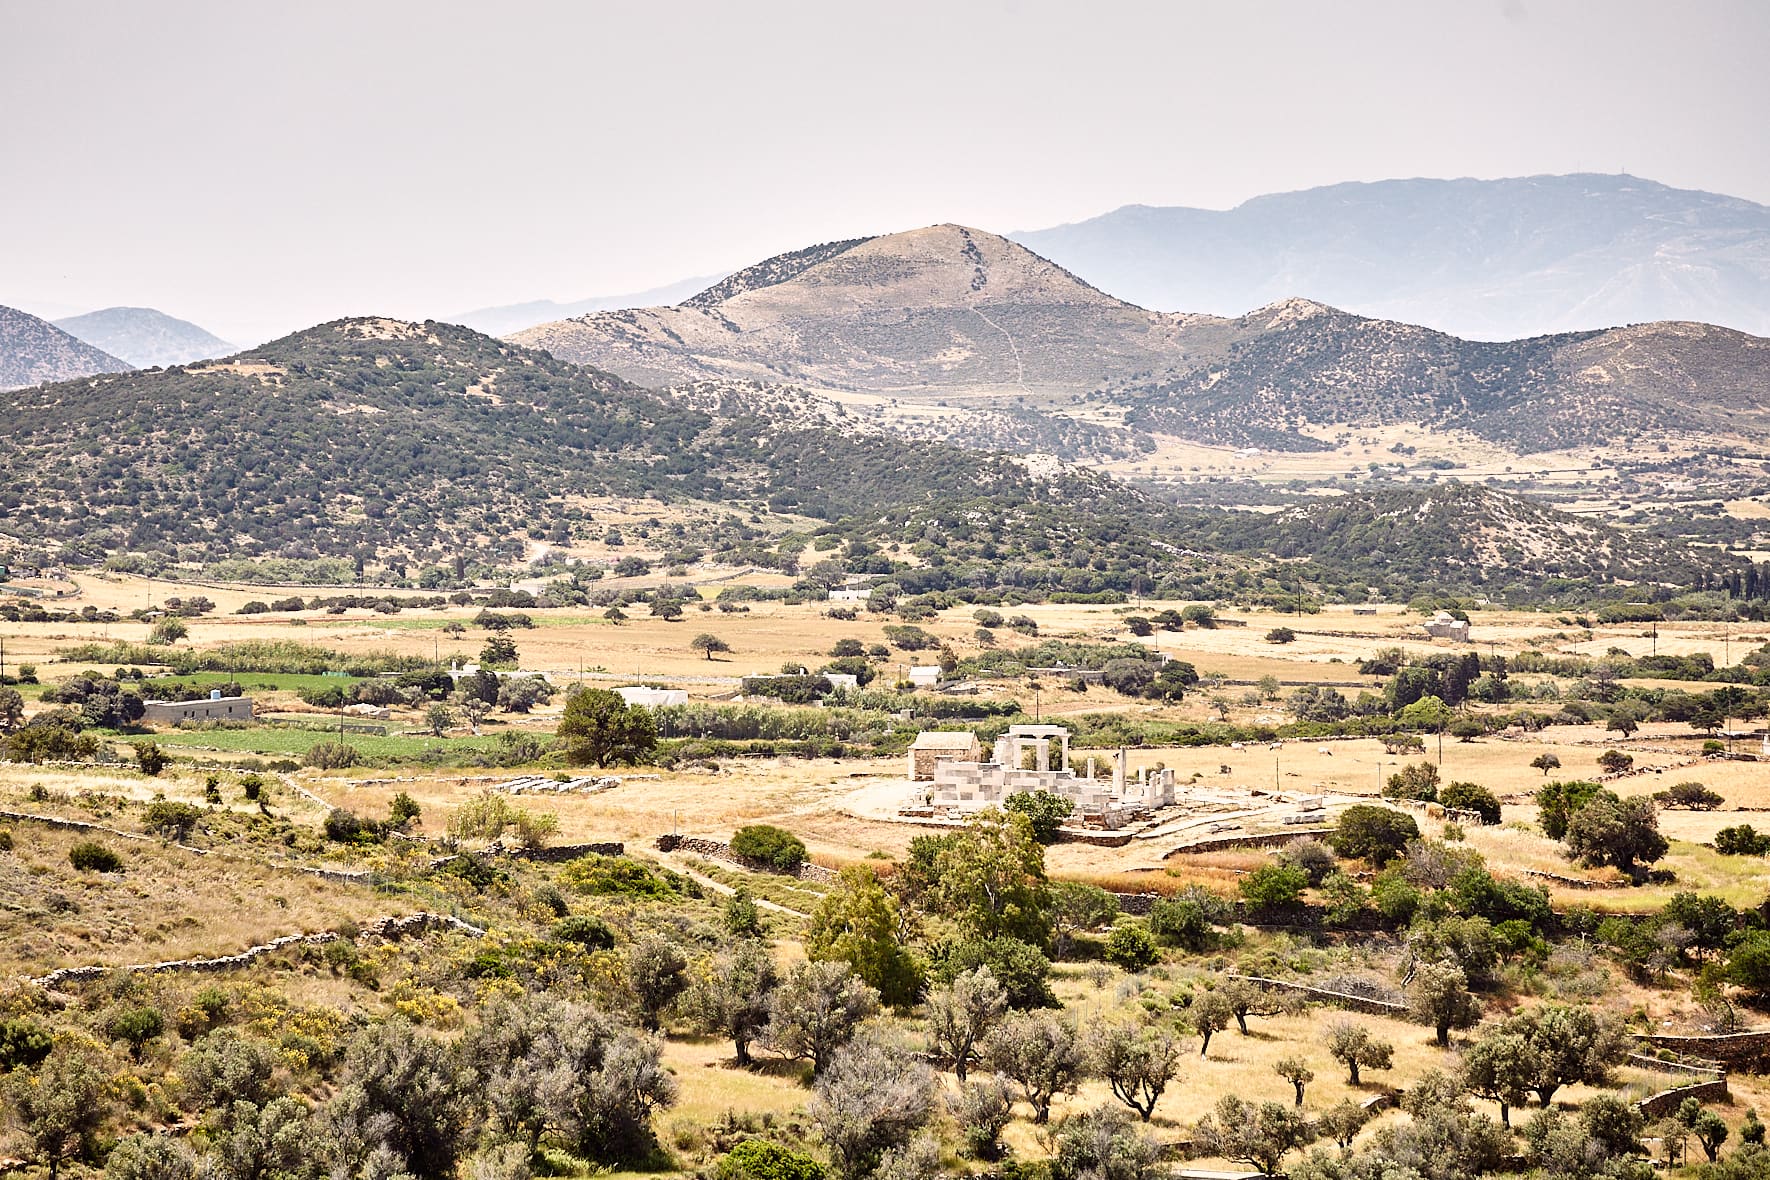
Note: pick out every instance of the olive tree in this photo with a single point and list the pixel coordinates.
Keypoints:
(1353, 1047)
(733, 994)
(1439, 997)
(1137, 1064)
(871, 1098)
(961, 1014)
(816, 1011)
(1040, 1052)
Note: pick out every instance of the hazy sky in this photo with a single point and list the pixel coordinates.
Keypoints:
(258, 167)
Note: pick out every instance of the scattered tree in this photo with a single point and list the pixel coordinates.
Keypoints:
(816, 1011)
(1137, 1064)
(709, 645)
(1439, 997)
(1041, 1053)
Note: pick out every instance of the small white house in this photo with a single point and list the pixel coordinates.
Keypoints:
(925, 675)
(842, 680)
(860, 595)
(652, 698)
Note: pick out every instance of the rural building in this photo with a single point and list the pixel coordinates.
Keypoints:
(1445, 625)
(925, 675)
(855, 595)
(214, 707)
(843, 680)
(652, 698)
(933, 746)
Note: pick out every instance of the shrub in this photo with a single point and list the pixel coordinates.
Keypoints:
(136, 1027)
(585, 930)
(1470, 797)
(329, 755)
(404, 810)
(347, 827)
(1274, 885)
(769, 845)
(150, 758)
(1376, 834)
(5, 839)
(1741, 840)
(23, 1043)
(1132, 947)
(617, 876)
(1188, 921)
(761, 1159)
(1281, 635)
(89, 856)
(174, 821)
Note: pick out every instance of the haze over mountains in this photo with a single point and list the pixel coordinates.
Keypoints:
(33, 350)
(144, 337)
(512, 317)
(1486, 259)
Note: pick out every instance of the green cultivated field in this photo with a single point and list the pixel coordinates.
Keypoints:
(279, 741)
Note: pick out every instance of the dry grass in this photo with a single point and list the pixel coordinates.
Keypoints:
(166, 904)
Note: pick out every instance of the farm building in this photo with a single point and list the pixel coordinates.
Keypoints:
(214, 707)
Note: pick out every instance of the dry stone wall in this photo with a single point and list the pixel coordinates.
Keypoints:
(1666, 1101)
(720, 850)
(391, 928)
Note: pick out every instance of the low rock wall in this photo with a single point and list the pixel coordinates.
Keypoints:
(1727, 1048)
(1666, 1101)
(1260, 840)
(720, 850)
(80, 825)
(391, 928)
(1354, 1003)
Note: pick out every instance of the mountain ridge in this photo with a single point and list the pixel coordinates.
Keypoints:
(145, 337)
(1482, 259)
(33, 350)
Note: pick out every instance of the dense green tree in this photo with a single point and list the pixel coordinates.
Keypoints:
(600, 728)
(1044, 810)
(857, 923)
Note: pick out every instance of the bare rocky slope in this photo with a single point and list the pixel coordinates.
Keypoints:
(945, 308)
(33, 351)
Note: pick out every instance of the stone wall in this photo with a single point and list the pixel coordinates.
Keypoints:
(720, 850)
(391, 928)
(1666, 1101)
(1368, 1004)
(80, 825)
(1260, 840)
(1727, 1048)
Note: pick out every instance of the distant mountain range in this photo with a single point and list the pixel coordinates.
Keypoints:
(144, 337)
(1486, 259)
(951, 311)
(34, 351)
(513, 317)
